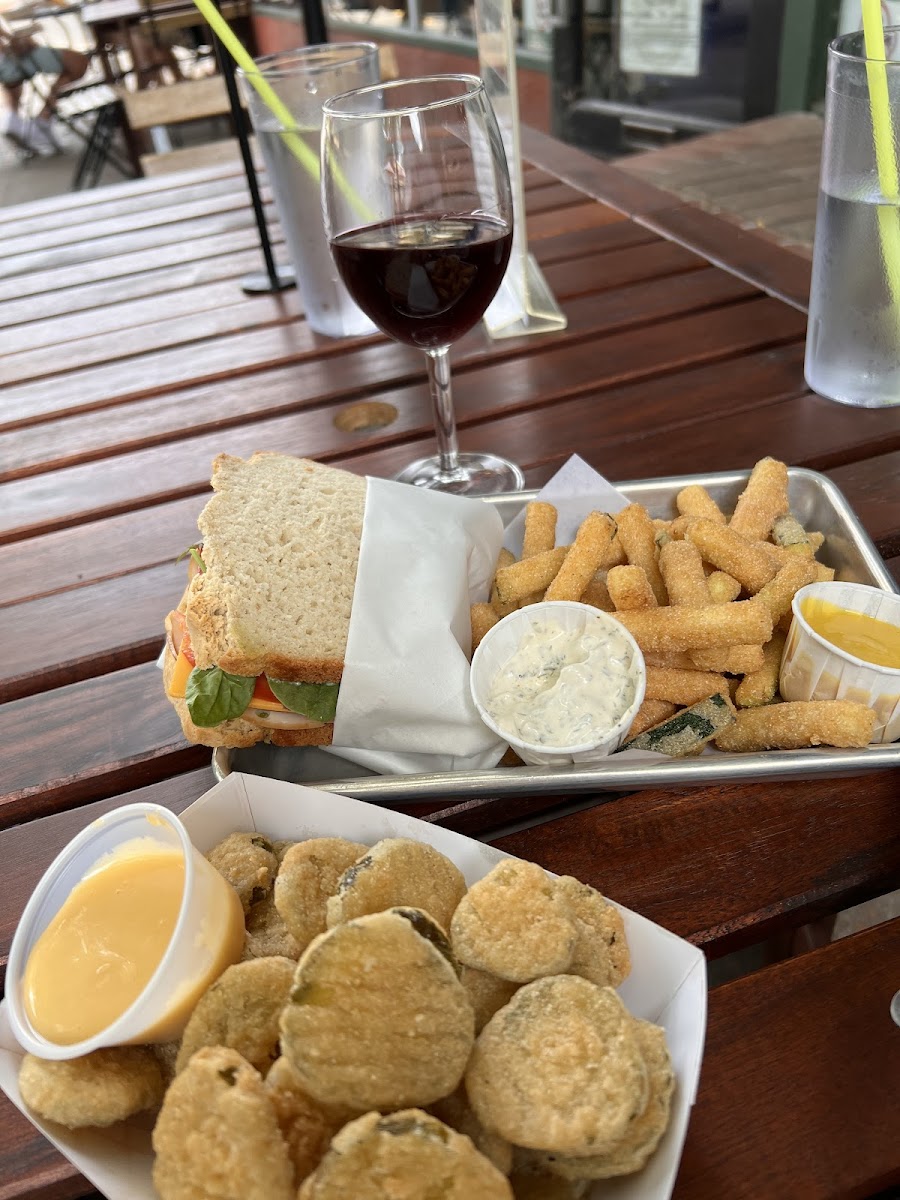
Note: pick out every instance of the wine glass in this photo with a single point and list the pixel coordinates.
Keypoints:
(418, 211)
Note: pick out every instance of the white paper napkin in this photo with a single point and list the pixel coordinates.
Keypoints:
(425, 557)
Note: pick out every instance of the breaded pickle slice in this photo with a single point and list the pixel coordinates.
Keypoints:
(306, 1126)
(377, 1017)
(601, 951)
(241, 1010)
(398, 871)
(248, 862)
(267, 935)
(307, 878)
(559, 1068)
(217, 1136)
(536, 1185)
(406, 1155)
(99, 1088)
(512, 924)
(456, 1111)
(643, 1135)
(487, 993)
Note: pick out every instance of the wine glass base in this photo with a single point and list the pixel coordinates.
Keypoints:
(475, 475)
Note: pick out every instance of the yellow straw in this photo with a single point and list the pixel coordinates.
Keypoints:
(883, 136)
(306, 157)
(279, 110)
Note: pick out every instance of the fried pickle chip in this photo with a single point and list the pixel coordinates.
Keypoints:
(307, 878)
(248, 862)
(601, 952)
(398, 871)
(456, 1111)
(377, 1017)
(99, 1088)
(487, 993)
(217, 1138)
(406, 1155)
(512, 924)
(530, 1184)
(559, 1068)
(240, 1011)
(642, 1137)
(166, 1054)
(306, 1126)
(267, 935)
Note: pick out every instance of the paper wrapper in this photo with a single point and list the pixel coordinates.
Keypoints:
(404, 704)
(667, 984)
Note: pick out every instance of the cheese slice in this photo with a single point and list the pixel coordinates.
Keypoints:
(183, 668)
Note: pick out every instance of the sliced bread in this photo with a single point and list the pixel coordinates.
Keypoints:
(281, 542)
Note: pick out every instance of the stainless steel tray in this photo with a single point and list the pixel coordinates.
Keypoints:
(816, 502)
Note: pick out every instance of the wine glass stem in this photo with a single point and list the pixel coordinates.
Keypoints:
(442, 402)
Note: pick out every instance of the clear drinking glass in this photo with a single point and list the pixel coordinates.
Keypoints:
(853, 336)
(418, 210)
(301, 80)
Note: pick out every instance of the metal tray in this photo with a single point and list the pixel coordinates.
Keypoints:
(817, 504)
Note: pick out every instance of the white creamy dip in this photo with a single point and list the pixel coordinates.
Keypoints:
(563, 687)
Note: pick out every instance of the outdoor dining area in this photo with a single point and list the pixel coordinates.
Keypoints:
(647, 362)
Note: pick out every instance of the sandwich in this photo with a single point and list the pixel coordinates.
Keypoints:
(255, 649)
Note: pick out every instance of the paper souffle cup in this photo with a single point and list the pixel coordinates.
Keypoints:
(814, 669)
(503, 639)
(193, 958)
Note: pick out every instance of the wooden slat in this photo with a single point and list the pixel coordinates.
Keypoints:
(150, 476)
(57, 315)
(101, 549)
(82, 434)
(128, 244)
(652, 852)
(179, 330)
(798, 1090)
(874, 490)
(189, 100)
(90, 740)
(128, 264)
(64, 292)
(129, 201)
(42, 652)
(771, 267)
(93, 228)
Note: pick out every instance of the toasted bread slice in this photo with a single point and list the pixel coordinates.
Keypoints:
(281, 546)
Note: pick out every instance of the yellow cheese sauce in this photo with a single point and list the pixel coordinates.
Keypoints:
(100, 950)
(855, 633)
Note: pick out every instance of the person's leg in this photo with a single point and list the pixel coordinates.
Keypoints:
(12, 95)
(73, 65)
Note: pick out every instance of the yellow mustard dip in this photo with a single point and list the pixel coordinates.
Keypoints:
(856, 633)
(100, 950)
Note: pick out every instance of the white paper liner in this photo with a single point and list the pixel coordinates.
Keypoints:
(404, 704)
(810, 670)
(667, 984)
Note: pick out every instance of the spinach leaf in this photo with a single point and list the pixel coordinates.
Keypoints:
(214, 695)
(317, 701)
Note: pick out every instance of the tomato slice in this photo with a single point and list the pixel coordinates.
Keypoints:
(263, 694)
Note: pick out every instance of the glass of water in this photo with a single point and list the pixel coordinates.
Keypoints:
(303, 80)
(853, 337)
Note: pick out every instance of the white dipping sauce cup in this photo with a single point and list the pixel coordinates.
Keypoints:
(189, 962)
(813, 669)
(502, 640)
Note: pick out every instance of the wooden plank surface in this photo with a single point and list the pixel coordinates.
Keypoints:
(798, 1091)
(120, 389)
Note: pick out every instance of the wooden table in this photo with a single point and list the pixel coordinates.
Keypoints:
(130, 357)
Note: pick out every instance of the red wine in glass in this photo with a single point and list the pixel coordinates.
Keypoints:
(418, 210)
(424, 280)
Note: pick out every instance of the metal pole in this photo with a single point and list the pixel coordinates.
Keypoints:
(314, 22)
(276, 278)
